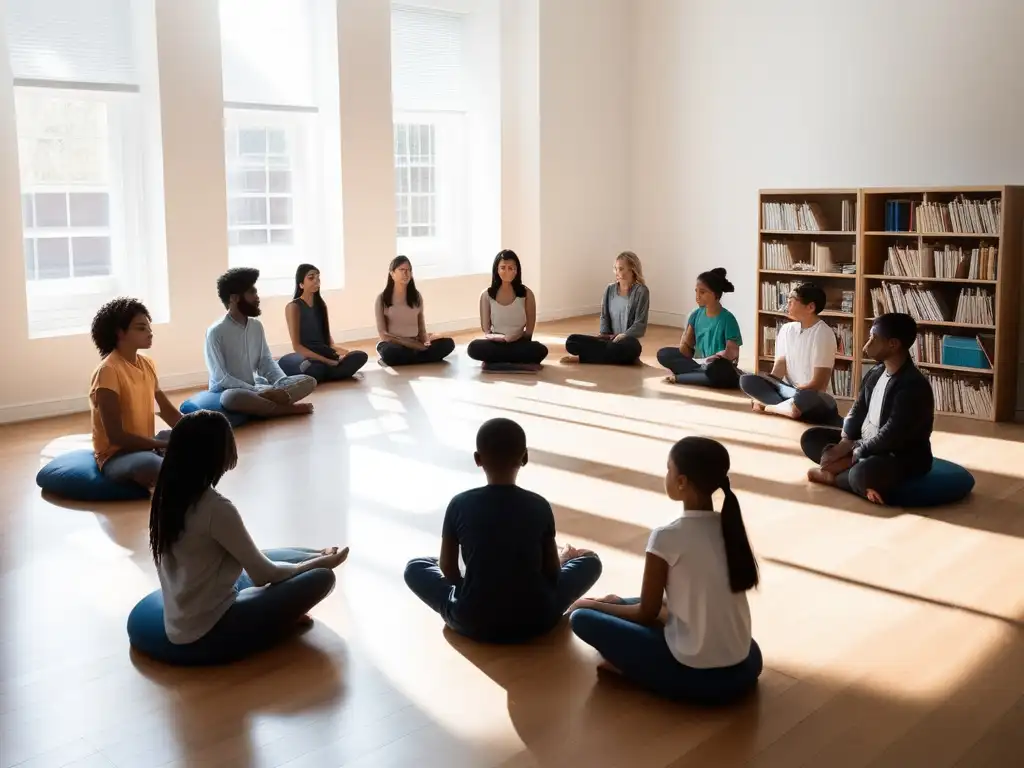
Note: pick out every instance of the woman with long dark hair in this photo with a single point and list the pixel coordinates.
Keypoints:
(508, 315)
(309, 328)
(400, 322)
(710, 345)
(624, 310)
(220, 598)
(687, 637)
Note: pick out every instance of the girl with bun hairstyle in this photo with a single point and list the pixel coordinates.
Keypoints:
(710, 345)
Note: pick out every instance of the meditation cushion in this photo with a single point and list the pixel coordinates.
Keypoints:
(74, 475)
(945, 483)
(210, 401)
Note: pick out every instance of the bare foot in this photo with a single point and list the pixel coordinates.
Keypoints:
(756, 407)
(299, 408)
(606, 666)
(305, 621)
(569, 360)
(669, 379)
(874, 497)
(820, 476)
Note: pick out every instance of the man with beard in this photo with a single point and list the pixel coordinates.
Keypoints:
(238, 356)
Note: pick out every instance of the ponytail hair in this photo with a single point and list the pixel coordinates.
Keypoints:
(705, 463)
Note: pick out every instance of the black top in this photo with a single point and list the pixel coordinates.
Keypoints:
(908, 413)
(503, 531)
(311, 331)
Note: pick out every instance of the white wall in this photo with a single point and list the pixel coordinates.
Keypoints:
(564, 185)
(585, 119)
(732, 96)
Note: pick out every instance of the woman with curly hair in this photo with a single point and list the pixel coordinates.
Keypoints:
(124, 387)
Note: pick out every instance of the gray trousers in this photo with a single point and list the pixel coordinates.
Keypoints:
(251, 402)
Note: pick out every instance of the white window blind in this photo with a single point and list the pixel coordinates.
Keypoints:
(80, 41)
(427, 60)
(268, 53)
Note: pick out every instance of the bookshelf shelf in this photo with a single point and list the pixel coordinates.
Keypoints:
(869, 227)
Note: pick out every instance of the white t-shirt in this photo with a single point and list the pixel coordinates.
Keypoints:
(805, 349)
(708, 624)
(873, 422)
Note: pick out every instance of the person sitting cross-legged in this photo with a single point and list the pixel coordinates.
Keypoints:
(309, 327)
(237, 353)
(517, 584)
(124, 387)
(401, 323)
(805, 352)
(886, 438)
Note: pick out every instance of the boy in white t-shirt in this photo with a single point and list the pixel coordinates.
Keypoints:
(805, 352)
(696, 577)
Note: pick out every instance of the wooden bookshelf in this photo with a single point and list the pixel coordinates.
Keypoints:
(834, 230)
(902, 254)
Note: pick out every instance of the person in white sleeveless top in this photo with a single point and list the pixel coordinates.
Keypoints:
(508, 314)
(688, 636)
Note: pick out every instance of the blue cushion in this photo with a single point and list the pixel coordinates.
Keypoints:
(210, 401)
(74, 475)
(945, 483)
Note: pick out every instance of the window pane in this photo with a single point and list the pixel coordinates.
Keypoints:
(252, 237)
(401, 139)
(89, 209)
(247, 210)
(252, 141)
(51, 209)
(53, 260)
(61, 140)
(403, 211)
(30, 259)
(282, 236)
(414, 141)
(243, 181)
(91, 256)
(280, 210)
(277, 143)
(280, 181)
(26, 211)
(422, 231)
(421, 210)
(401, 181)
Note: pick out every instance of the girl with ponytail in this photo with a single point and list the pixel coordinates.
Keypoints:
(688, 636)
(711, 341)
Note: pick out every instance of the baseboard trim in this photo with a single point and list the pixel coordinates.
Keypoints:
(671, 319)
(46, 409)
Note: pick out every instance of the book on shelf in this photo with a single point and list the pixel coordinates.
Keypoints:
(975, 306)
(899, 215)
(800, 217)
(848, 215)
(942, 261)
(960, 216)
(933, 348)
(919, 302)
(775, 296)
(836, 258)
(841, 382)
(960, 394)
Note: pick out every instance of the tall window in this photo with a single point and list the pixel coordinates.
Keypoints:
(445, 86)
(87, 116)
(281, 137)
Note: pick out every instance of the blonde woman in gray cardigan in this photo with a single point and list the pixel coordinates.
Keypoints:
(624, 312)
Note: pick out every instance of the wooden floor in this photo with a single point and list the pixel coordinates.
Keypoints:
(890, 639)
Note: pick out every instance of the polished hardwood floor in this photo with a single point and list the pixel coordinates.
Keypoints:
(891, 639)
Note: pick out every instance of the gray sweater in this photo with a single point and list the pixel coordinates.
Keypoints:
(639, 304)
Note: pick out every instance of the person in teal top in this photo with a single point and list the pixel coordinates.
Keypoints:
(710, 346)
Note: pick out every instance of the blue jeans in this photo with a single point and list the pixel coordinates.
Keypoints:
(718, 374)
(641, 654)
(294, 364)
(139, 467)
(257, 620)
(423, 576)
(815, 407)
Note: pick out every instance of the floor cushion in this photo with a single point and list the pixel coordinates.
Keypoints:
(210, 401)
(945, 483)
(75, 475)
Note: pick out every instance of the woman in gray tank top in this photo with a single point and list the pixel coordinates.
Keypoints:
(309, 327)
(508, 314)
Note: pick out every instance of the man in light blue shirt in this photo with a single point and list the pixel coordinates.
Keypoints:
(238, 358)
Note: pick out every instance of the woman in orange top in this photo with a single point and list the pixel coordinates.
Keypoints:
(124, 388)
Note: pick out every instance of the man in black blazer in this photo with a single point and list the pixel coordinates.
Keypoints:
(886, 438)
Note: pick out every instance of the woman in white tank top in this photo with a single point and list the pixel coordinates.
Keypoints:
(508, 314)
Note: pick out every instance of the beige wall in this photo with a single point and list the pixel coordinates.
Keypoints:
(564, 152)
